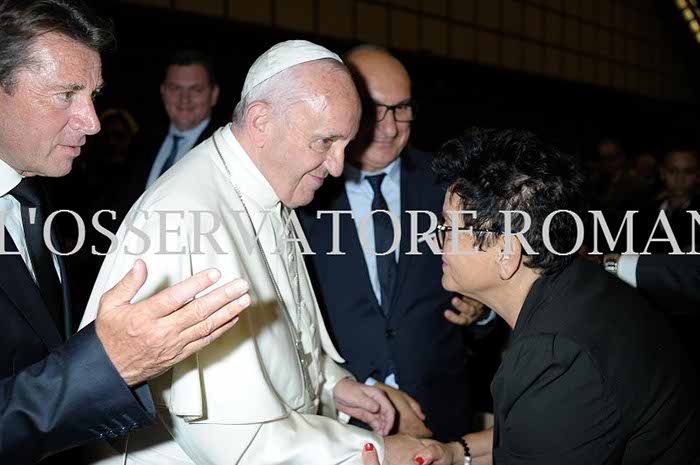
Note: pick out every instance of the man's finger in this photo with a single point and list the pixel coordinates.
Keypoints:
(455, 318)
(216, 320)
(174, 297)
(469, 307)
(199, 344)
(385, 404)
(415, 406)
(124, 291)
(203, 307)
(365, 402)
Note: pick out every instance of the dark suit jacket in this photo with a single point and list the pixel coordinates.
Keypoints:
(428, 352)
(594, 375)
(671, 281)
(680, 222)
(129, 186)
(54, 395)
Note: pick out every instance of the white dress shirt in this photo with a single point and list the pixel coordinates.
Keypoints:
(627, 268)
(189, 138)
(11, 215)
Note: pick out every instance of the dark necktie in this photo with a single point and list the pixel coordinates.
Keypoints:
(383, 239)
(172, 158)
(30, 195)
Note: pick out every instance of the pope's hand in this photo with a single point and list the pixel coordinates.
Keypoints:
(366, 403)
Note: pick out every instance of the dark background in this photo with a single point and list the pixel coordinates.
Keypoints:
(452, 94)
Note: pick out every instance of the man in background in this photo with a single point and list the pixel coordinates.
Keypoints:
(388, 313)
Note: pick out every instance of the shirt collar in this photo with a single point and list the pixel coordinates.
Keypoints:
(190, 133)
(354, 178)
(244, 173)
(9, 178)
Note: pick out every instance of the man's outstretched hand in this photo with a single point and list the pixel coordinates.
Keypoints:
(145, 339)
(410, 416)
(465, 312)
(366, 403)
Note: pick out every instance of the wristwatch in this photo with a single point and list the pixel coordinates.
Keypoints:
(610, 263)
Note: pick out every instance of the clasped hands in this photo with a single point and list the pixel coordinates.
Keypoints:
(379, 406)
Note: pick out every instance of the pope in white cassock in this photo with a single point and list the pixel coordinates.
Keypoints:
(254, 395)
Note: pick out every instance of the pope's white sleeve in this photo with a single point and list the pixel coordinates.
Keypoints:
(295, 440)
(333, 374)
(310, 440)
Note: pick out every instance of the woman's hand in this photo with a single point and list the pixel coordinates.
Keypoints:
(369, 455)
(439, 453)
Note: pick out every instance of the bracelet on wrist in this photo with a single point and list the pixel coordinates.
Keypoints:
(467, 456)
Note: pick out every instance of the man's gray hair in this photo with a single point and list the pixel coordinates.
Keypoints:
(282, 90)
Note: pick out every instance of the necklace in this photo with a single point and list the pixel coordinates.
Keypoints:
(303, 358)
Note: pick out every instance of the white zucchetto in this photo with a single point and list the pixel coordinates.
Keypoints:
(282, 56)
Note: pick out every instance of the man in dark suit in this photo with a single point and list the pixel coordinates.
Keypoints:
(386, 312)
(671, 283)
(679, 173)
(189, 92)
(56, 391)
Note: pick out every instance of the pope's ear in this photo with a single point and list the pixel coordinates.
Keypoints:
(509, 256)
(258, 117)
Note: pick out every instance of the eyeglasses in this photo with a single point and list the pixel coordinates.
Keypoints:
(442, 230)
(404, 112)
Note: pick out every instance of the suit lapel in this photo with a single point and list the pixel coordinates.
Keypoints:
(207, 133)
(334, 197)
(67, 329)
(410, 200)
(19, 286)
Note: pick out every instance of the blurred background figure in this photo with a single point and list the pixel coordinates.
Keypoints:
(189, 92)
(617, 185)
(646, 169)
(678, 195)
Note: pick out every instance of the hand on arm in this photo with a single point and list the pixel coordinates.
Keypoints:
(366, 403)
(480, 446)
(410, 415)
(400, 449)
(466, 311)
(145, 339)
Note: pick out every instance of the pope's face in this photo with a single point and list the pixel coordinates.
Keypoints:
(308, 143)
(188, 96)
(45, 119)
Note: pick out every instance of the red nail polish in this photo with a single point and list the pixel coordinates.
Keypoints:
(419, 460)
(369, 447)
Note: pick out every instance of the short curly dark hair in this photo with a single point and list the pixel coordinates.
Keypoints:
(22, 21)
(493, 170)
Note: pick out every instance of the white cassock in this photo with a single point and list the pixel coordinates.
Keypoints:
(244, 399)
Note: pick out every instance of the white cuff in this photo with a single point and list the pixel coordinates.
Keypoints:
(627, 269)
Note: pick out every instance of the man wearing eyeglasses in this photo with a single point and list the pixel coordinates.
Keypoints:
(388, 313)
